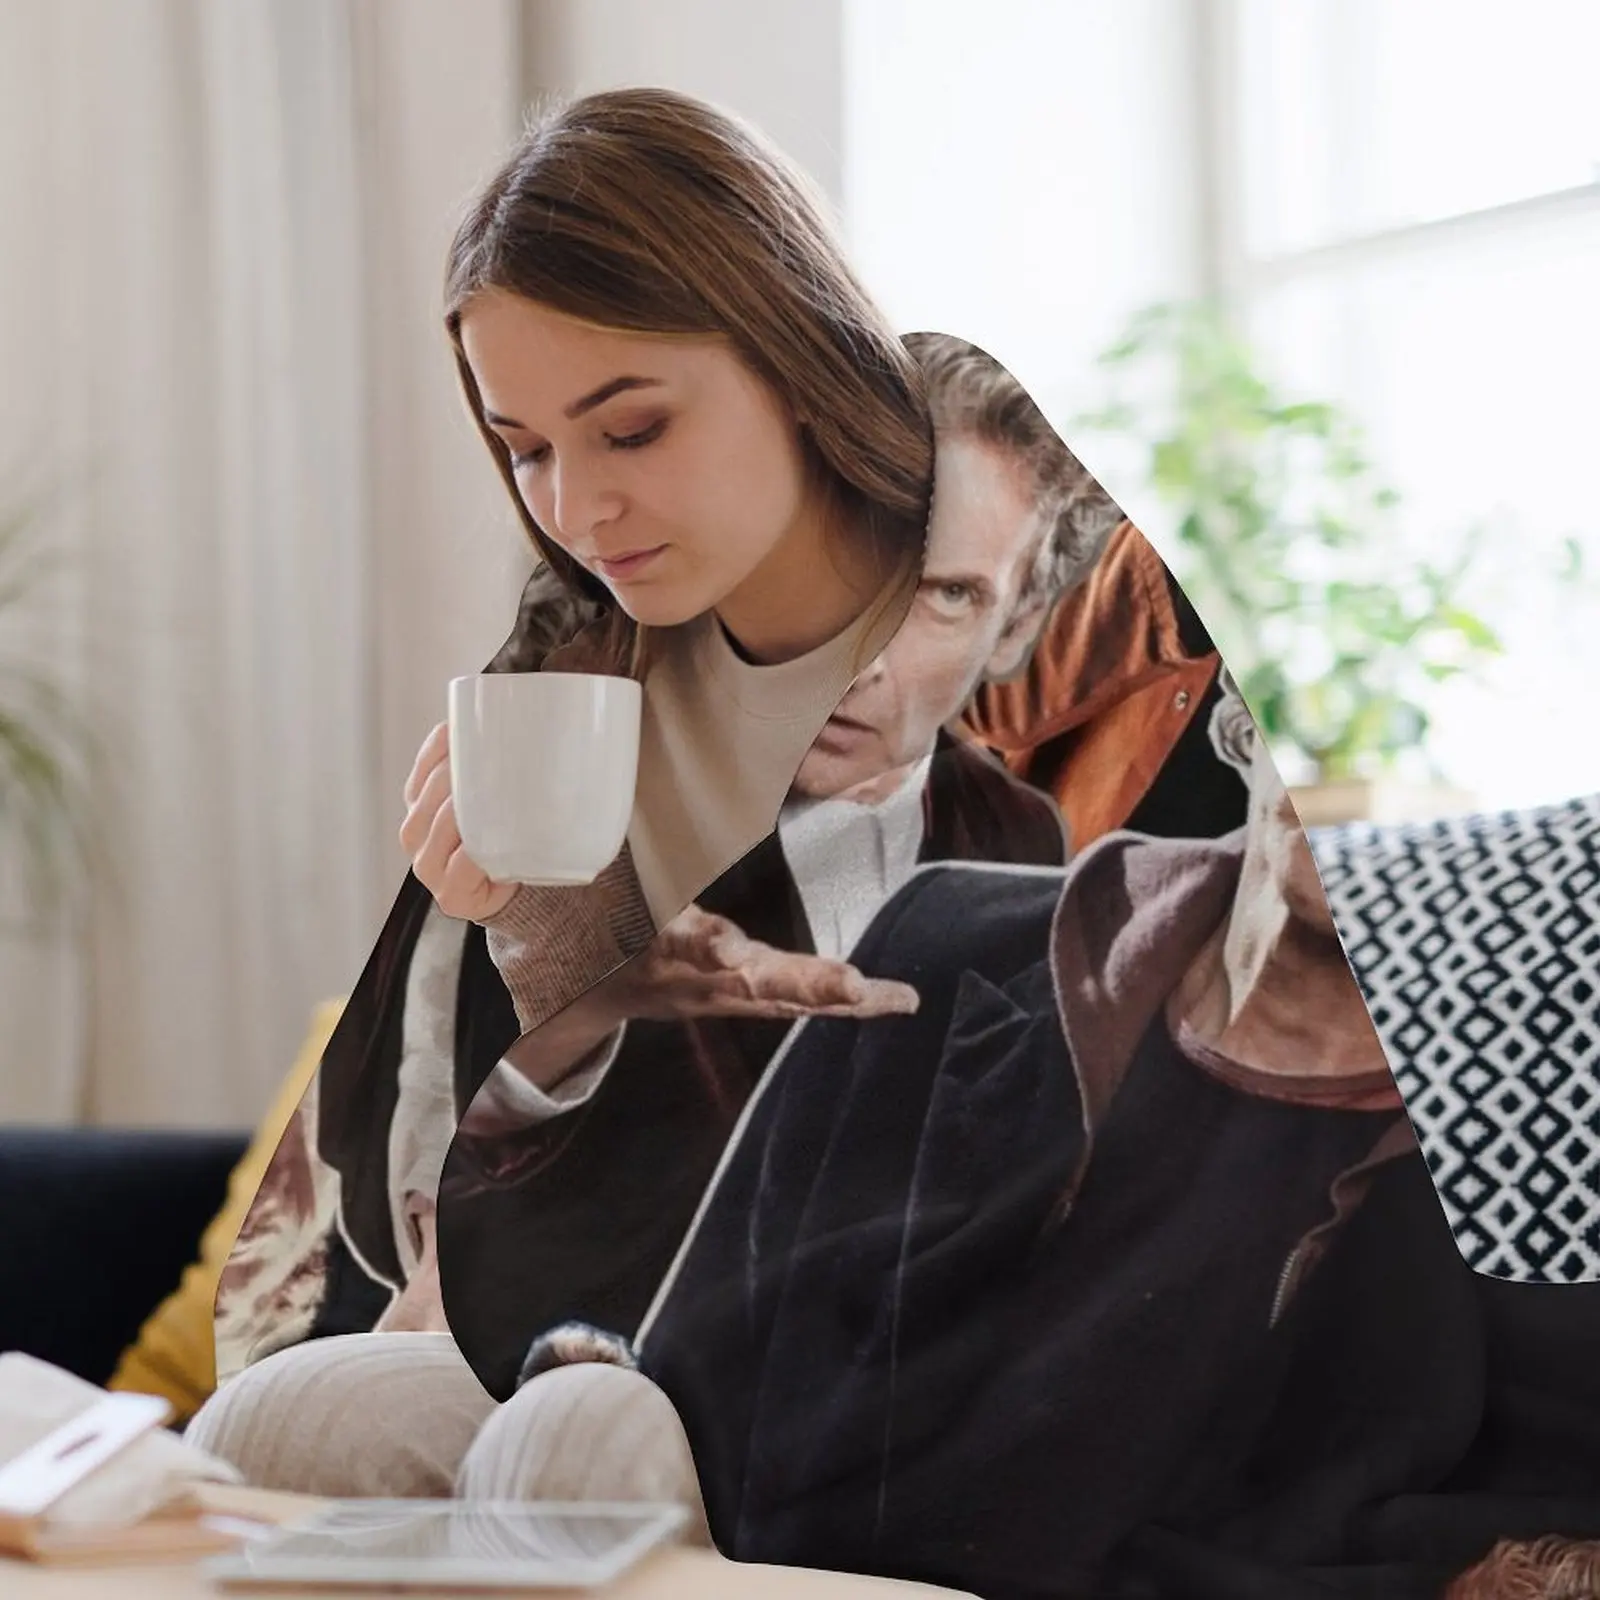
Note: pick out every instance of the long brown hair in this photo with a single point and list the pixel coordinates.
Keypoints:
(649, 212)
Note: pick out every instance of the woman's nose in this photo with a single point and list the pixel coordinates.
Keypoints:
(581, 502)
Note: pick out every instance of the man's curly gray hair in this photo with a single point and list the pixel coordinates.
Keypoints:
(971, 394)
(1233, 730)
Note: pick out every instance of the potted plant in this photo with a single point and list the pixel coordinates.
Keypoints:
(1289, 545)
(48, 756)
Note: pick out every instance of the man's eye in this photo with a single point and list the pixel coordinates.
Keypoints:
(952, 597)
(637, 441)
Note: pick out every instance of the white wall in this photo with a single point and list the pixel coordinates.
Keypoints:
(775, 62)
(1022, 173)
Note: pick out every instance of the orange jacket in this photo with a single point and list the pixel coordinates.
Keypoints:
(1108, 692)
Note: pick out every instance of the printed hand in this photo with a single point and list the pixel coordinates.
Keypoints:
(430, 837)
(700, 965)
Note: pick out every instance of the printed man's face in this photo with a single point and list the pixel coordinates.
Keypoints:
(963, 625)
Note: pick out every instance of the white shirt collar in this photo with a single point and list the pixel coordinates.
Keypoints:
(847, 858)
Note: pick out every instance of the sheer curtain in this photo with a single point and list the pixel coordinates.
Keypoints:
(219, 272)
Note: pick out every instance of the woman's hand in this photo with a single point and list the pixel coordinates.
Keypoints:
(429, 835)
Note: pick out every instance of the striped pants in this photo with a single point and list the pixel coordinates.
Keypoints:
(401, 1415)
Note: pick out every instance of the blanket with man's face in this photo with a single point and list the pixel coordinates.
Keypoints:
(997, 1166)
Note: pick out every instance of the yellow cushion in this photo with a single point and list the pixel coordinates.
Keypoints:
(175, 1353)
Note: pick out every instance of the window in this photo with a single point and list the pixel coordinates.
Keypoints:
(1361, 116)
(1411, 224)
(1401, 196)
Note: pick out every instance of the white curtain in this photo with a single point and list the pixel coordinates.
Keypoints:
(223, 232)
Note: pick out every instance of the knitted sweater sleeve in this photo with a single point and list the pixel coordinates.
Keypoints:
(552, 943)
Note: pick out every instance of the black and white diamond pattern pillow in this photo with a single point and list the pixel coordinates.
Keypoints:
(1477, 942)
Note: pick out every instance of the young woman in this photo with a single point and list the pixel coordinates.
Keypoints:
(710, 431)
(708, 428)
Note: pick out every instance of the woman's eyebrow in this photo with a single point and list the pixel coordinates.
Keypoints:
(596, 397)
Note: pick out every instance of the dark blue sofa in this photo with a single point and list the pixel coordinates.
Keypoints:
(96, 1227)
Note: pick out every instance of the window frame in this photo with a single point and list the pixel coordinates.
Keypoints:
(1230, 272)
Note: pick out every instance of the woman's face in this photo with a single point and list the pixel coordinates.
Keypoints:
(661, 464)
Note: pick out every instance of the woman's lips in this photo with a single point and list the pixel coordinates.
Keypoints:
(628, 565)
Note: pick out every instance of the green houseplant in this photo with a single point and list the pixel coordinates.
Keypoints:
(1289, 545)
(48, 755)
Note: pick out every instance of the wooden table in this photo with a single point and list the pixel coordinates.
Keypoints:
(672, 1574)
(676, 1574)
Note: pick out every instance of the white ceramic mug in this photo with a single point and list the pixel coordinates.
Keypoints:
(543, 767)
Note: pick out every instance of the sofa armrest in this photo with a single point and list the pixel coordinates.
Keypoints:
(99, 1225)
